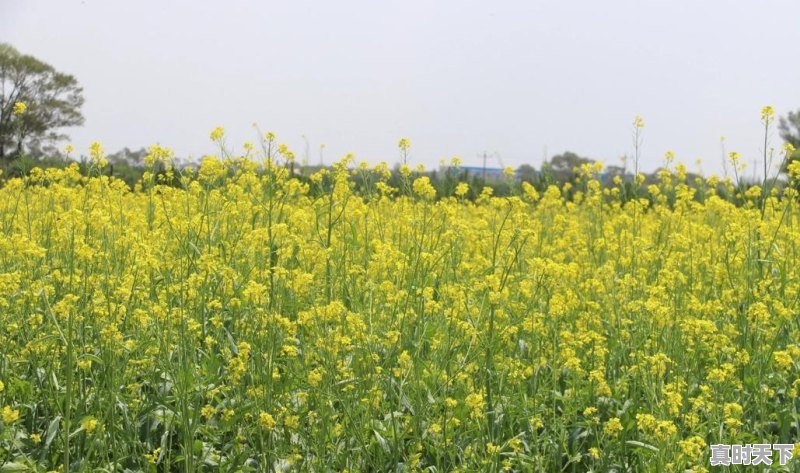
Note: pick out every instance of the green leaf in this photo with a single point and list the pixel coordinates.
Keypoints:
(52, 431)
(382, 442)
(634, 443)
(14, 466)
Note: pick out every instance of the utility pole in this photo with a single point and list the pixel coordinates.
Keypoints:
(486, 155)
(724, 157)
(305, 154)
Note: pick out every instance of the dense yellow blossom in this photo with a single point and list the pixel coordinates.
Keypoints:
(266, 421)
(248, 313)
(20, 108)
(613, 426)
(10, 415)
(89, 424)
(217, 133)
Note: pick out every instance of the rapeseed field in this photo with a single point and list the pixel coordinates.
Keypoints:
(242, 317)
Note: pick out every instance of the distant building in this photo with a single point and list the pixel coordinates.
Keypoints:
(486, 173)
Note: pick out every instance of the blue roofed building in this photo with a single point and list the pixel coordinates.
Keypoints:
(486, 173)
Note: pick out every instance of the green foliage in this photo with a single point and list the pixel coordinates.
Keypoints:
(527, 173)
(562, 166)
(53, 100)
(789, 127)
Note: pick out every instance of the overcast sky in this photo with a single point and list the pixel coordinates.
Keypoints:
(457, 77)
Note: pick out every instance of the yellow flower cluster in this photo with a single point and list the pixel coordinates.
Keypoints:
(10, 415)
(251, 313)
(661, 430)
(20, 108)
(266, 421)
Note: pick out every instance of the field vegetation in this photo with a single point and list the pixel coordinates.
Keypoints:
(242, 318)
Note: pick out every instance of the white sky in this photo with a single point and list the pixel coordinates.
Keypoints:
(457, 77)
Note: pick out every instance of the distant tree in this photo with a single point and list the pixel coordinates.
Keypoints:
(526, 173)
(39, 149)
(614, 170)
(53, 100)
(128, 156)
(567, 161)
(789, 127)
(561, 166)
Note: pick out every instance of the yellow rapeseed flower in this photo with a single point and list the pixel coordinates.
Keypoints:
(794, 169)
(153, 456)
(266, 421)
(20, 108)
(404, 144)
(97, 155)
(693, 447)
(476, 404)
(423, 187)
(492, 449)
(208, 411)
(767, 113)
(613, 426)
(89, 424)
(315, 376)
(217, 133)
(10, 415)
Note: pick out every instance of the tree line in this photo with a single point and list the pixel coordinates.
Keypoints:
(37, 103)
